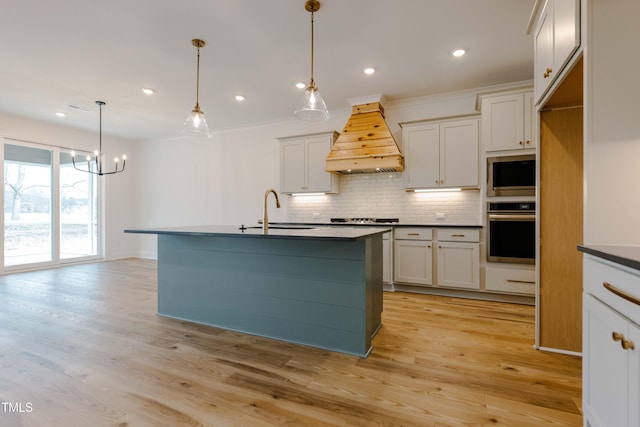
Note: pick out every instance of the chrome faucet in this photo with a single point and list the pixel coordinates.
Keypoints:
(265, 216)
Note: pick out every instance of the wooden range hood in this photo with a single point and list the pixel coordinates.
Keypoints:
(366, 144)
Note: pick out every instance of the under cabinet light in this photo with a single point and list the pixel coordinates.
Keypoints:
(308, 194)
(435, 190)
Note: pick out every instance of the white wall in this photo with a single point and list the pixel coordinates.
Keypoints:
(612, 125)
(183, 181)
(118, 189)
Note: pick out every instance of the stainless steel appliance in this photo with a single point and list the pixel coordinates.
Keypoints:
(364, 220)
(511, 232)
(511, 175)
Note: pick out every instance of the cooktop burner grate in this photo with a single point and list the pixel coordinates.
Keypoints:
(365, 220)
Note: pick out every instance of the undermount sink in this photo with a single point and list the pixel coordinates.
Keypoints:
(285, 227)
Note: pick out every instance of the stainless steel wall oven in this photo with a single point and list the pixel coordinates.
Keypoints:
(511, 232)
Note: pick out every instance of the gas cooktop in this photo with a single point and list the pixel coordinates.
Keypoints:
(365, 220)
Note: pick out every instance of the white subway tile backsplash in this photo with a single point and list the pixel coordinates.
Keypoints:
(383, 196)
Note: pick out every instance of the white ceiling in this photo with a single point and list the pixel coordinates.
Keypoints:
(55, 53)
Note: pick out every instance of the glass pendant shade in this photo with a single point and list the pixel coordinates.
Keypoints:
(312, 107)
(196, 125)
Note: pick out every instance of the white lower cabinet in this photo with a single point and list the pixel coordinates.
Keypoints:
(387, 257)
(511, 279)
(610, 346)
(458, 258)
(413, 256)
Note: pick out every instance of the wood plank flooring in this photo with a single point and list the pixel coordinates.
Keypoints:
(82, 346)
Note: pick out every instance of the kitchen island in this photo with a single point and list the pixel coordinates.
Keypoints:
(320, 287)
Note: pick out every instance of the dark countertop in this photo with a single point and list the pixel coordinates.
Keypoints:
(629, 256)
(327, 233)
(378, 224)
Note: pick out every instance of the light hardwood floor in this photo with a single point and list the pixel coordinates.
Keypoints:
(82, 346)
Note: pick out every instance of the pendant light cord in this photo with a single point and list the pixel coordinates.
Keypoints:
(312, 82)
(198, 82)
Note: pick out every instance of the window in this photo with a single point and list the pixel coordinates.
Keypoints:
(50, 208)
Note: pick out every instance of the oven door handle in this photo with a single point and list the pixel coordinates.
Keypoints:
(513, 217)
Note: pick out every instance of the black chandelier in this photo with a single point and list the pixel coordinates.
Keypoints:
(98, 156)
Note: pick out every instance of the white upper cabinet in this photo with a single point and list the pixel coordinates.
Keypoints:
(441, 154)
(507, 121)
(557, 36)
(302, 164)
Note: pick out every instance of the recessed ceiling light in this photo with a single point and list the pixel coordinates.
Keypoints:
(240, 98)
(148, 91)
(369, 71)
(60, 114)
(301, 85)
(458, 52)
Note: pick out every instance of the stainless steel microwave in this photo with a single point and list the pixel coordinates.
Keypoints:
(511, 175)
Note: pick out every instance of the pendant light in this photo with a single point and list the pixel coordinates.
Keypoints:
(196, 125)
(312, 107)
(97, 160)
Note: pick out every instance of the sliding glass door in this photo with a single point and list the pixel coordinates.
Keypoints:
(28, 226)
(50, 208)
(78, 211)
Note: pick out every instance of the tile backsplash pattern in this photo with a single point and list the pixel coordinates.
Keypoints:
(383, 196)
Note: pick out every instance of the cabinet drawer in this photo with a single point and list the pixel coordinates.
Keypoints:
(458, 235)
(511, 280)
(413, 233)
(618, 288)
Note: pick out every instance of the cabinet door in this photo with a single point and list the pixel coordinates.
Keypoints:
(610, 373)
(413, 262)
(459, 154)
(386, 261)
(566, 36)
(318, 179)
(529, 120)
(421, 156)
(543, 53)
(459, 265)
(292, 169)
(503, 122)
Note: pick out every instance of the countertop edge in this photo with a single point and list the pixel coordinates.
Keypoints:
(273, 234)
(628, 256)
(378, 224)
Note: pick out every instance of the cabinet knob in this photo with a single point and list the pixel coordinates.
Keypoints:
(527, 142)
(520, 142)
(625, 344)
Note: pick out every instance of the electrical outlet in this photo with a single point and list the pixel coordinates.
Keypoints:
(440, 216)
